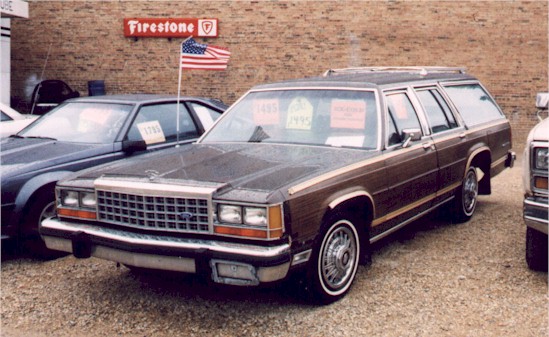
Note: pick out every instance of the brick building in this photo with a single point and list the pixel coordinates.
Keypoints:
(504, 43)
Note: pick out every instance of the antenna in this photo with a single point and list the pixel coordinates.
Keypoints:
(41, 78)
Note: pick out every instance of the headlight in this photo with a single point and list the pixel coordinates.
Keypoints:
(87, 199)
(541, 158)
(69, 198)
(76, 203)
(259, 222)
(230, 213)
(255, 216)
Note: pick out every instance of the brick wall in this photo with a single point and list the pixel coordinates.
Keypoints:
(503, 43)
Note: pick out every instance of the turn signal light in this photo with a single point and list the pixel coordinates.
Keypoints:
(73, 213)
(540, 182)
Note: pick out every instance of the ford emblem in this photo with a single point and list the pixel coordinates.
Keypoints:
(185, 215)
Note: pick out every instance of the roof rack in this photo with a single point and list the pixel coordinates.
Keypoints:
(421, 70)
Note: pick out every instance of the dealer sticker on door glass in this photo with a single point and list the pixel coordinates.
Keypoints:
(348, 114)
(151, 132)
(300, 114)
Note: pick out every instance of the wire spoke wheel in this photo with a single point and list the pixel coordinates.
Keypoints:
(470, 192)
(338, 258)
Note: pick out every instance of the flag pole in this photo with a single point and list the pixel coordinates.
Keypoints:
(179, 89)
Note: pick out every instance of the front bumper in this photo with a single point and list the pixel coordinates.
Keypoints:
(535, 211)
(228, 263)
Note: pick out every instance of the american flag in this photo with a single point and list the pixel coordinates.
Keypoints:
(196, 55)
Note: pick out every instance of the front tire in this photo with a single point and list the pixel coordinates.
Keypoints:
(42, 207)
(466, 197)
(335, 261)
(536, 250)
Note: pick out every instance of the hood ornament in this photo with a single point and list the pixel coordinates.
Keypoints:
(152, 174)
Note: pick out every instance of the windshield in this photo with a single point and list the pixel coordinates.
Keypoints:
(326, 117)
(81, 123)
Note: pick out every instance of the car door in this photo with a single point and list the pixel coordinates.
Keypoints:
(411, 166)
(157, 125)
(449, 139)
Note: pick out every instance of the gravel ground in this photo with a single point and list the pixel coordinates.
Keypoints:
(434, 278)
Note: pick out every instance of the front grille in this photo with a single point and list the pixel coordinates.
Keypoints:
(176, 214)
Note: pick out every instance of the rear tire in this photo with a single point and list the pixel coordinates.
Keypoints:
(466, 197)
(536, 250)
(335, 260)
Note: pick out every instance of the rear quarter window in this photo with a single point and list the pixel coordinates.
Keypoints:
(473, 103)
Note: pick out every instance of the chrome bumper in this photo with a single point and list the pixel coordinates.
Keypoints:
(229, 263)
(536, 214)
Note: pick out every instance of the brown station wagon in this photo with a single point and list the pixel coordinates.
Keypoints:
(296, 178)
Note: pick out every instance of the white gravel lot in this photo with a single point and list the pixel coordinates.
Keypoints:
(433, 279)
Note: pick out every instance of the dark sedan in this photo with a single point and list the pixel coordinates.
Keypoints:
(85, 132)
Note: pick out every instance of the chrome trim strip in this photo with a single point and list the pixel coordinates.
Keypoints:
(355, 166)
(403, 210)
(166, 242)
(498, 162)
(404, 223)
(163, 190)
(348, 196)
(536, 204)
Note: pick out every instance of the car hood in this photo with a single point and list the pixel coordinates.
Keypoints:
(541, 130)
(246, 172)
(22, 155)
(12, 127)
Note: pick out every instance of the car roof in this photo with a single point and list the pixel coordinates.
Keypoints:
(144, 99)
(375, 77)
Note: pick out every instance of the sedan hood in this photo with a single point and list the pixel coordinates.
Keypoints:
(252, 172)
(22, 155)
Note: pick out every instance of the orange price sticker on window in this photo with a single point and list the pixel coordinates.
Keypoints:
(348, 114)
(266, 111)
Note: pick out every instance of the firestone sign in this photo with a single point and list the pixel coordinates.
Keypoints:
(169, 27)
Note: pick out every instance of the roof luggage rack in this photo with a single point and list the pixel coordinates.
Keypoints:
(421, 70)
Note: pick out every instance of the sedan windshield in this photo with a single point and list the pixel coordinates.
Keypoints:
(81, 123)
(326, 117)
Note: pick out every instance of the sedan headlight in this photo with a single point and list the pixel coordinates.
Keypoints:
(69, 198)
(541, 158)
(76, 203)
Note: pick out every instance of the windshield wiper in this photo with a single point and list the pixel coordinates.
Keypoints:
(41, 137)
(259, 135)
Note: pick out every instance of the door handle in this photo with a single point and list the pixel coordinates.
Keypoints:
(428, 145)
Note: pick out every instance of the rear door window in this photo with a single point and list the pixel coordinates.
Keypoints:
(473, 103)
(438, 112)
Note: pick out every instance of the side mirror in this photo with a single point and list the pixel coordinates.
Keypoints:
(542, 100)
(410, 135)
(131, 146)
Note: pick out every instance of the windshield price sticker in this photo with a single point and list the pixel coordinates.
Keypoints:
(348, 114)
(300, 114)
(91, 118)
(266, 111)
(151, 132)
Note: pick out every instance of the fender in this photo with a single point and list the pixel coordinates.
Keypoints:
(474, 151)
(33, 185)
(350, 195)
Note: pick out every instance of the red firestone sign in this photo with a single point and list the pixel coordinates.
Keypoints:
(169, 27)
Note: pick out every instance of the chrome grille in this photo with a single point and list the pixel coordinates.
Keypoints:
(176, 214)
